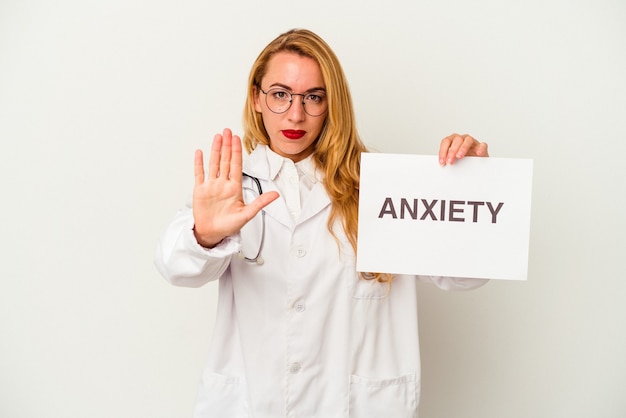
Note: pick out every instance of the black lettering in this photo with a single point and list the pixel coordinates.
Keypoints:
(475, 213)
(429, 210)
(404, 204)
(442, 211)
(494, 213)
(454, 210)
(391, 210)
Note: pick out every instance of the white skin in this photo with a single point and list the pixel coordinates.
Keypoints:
(218, 206)
(297, 74)
(455, 147)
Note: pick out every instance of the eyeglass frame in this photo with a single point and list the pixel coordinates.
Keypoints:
(291, 100)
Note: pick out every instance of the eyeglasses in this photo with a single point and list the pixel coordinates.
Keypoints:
(254, 230)
(279, 101)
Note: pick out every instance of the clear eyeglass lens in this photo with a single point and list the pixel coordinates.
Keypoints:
(279, 101)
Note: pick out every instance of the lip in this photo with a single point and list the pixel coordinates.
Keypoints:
(293, 134)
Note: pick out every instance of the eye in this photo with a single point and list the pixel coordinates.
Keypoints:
(314, 98)
(281, 95)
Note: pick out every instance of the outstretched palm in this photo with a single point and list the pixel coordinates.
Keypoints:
(218, 206)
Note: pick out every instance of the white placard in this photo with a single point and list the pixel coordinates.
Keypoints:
(470, 219)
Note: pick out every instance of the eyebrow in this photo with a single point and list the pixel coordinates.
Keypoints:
(290, 89)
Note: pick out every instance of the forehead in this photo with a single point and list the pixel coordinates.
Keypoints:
(294, 71)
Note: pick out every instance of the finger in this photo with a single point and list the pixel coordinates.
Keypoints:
(226, 153)
(483, 150)
(467, 144)
(198, 167)
(259, 203)
(456, 141)
(480, 149)
(214, 160)
(236, 160)
(443, 150)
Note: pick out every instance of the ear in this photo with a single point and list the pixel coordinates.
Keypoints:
(257, 99)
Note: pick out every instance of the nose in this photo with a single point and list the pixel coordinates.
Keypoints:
(296, 110)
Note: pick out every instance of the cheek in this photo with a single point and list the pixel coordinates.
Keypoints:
(320, 126)
(271, 124)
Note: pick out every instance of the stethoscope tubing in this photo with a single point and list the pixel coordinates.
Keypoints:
(255, 180)
(257, 258)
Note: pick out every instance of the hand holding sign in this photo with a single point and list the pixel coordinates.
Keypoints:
(455, 146)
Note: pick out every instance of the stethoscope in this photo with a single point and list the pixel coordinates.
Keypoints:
(257, 257)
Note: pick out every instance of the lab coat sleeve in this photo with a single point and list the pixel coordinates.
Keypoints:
(453, 283)
(183, 262)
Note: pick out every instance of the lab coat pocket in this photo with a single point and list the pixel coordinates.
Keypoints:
(220, 396)
(366, 289)
(371, 398)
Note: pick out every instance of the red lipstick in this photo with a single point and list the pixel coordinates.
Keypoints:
(293, 134)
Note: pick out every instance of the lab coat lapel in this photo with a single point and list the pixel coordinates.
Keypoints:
(278, 208)
(316, 202)
(256, 165)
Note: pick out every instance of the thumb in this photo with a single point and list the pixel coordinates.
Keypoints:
(260, 202)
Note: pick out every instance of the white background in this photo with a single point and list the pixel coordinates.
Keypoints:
(103, 103)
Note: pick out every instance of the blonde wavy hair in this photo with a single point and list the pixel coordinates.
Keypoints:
(338, 148)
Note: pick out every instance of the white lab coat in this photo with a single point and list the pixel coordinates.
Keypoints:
(300, 335)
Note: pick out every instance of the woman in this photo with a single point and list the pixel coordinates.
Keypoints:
(299, 332)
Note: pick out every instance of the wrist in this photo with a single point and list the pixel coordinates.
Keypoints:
(206, 242)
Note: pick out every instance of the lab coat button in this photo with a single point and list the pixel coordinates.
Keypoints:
(300, 252)
(299, 306)
(295, 368)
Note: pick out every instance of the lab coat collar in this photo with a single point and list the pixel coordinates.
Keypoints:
(257, 165)
(275, 162)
